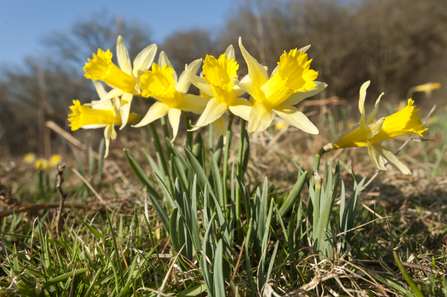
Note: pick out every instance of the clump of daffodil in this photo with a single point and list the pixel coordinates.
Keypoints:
(291, 82)
(162, 84)
(218, 83)
(101, 114)
(124, 79)
(370, 133)
(47, 164)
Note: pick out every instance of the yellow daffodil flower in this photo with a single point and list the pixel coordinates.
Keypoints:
(428, 88)
(54, 160)
(162, 84)
(101, 114)
(291, 82)
(41, 164)
(370, 133)
(124, 79)
(218, 83)
(29, 158)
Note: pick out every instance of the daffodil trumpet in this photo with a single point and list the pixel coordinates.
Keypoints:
(170, 91)
(123, 79)
(370, 133)
(218, 84)
(291, 82)
(100, 114)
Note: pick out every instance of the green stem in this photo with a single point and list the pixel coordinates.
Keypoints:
(322, 151)
(240, 175)
(164, 124)
(211, 137)
(188, 133)
(226, 153)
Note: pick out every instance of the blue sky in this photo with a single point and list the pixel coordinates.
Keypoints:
(24, 23)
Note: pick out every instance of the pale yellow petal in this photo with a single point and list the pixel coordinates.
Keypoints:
(183, 83)
(193, 103)
(372, 115)
(126, 101)
(174, 119)
(256, 71)
(295, 118)
(199, 82)
(107, 135)
(156, 111)
(242, 108)
(375, 157)
(299, 96)
(111, 94)
(392, 159)
(304, 48)
(99, 89)
(214, 110)
(164, 60)
(144, 60)
(362, 97)
(122, 55)
(260, 118)
(229, 52)
(221, 126)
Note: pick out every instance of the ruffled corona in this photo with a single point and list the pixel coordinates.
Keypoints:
(159, 83)
(84, 116)
(102, 68)
(405, 121)
(219, 74)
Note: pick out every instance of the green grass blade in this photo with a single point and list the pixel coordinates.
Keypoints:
(62, 278)
(406, 276)
(218, 277)
(293, 195)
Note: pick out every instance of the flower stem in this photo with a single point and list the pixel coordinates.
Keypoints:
(229, 135)
(321, 152)
(240, 175)
(164, 124)
(188, 133)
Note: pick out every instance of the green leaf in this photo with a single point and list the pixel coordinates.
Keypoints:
(218, 277)
(141, 176)
(408, 279)
(93, 283)
(293, 195)
(197, 168)
(160, 211)
(62, 278)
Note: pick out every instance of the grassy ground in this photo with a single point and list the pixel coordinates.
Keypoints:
(113, 240)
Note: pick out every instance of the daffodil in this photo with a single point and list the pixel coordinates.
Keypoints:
(218, 83)
(101, 114)
(162, 84)
(371, 133)
(41, 164)
(54, 160)
(291, 82)
(124, 79)
(29, 158)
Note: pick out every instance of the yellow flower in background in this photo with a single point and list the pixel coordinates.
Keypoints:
(218, 83)
(54, 160)
(124, 79)
(29, 158)
(427, 88)
(102, 114)
(162, 84)
(291, 82)
(370, 133)
(279, 125)
(41, 164)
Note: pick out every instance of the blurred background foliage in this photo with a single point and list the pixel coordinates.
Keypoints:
(394, 43)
